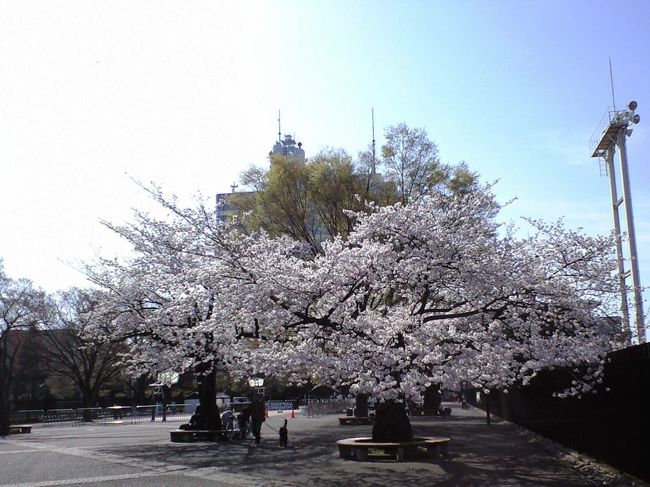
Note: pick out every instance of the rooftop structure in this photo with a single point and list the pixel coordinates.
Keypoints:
(287, 147)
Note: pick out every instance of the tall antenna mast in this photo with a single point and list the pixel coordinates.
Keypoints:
(373, 142)
(279, 131)
(611, 82)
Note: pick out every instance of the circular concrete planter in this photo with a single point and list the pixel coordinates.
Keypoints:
(364, 449)
(345, 420)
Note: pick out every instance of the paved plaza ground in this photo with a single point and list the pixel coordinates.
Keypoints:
(501, 454)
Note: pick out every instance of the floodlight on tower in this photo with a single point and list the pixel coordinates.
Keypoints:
(604, 145)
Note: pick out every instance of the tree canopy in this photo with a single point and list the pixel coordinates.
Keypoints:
(431, 291)
(386, 285)
(86, 360)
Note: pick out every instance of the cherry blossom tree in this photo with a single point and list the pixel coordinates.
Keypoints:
(429, 292)
(163, 302)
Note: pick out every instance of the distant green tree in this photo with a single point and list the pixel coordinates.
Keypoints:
(19, 305)
(336, 185)
(304, 199)
(89, 363)
(412, 162)
(30, 378)
(308, 199)
(281, 202)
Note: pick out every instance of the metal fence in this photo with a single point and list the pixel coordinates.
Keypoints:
(611, 425)
(40, 418)
(102, 416)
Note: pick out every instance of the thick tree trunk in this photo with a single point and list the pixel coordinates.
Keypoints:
(138, 387)
(166, 394)
(432, 400)
(361, 406)
(4, 407)
(391, 423)
(487, 409)
(86, 397)
(210, 419)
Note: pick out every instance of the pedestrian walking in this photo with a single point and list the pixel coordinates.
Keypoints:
(258, 416)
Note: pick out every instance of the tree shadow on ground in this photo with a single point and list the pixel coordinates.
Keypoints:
(480, 455)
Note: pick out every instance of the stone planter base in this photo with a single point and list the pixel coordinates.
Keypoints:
(364, 449)
(343, 420)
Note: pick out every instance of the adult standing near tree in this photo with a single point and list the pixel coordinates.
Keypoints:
(257, 418)
(244, 419)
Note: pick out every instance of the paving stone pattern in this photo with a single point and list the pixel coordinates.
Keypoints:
(501, 454)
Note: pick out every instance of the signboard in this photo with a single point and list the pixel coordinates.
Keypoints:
(279, 405)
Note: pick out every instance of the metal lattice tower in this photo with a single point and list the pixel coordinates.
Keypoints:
(604, 146)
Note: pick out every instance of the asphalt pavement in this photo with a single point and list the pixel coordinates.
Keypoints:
(499, 455)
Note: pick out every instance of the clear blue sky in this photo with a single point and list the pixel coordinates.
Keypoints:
(187, 93)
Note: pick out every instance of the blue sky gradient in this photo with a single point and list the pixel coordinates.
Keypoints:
(186, 94)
